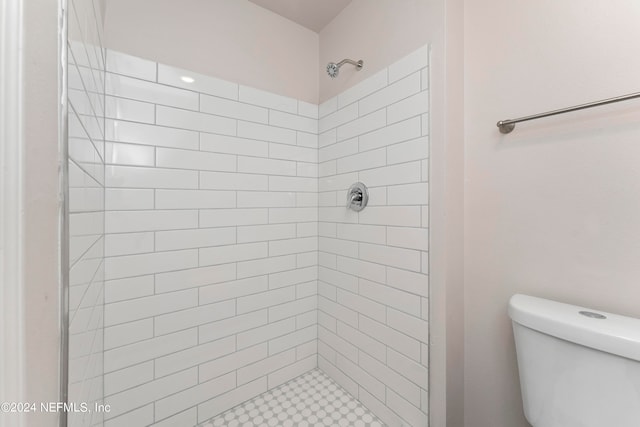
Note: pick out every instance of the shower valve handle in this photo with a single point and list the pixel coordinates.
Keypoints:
(357, 197)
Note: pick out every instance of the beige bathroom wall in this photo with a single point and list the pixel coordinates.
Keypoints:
(233, 40)
(553, 209)
(447, 233)
(40, 203)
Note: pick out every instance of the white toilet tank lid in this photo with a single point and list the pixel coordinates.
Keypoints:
(614, 334)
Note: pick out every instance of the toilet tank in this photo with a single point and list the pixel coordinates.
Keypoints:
(578, 367)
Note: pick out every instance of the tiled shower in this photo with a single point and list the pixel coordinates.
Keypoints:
(213, 255)
(211, 242)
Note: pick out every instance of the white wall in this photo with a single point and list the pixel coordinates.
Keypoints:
(231, 39)
(373, 288)
(551, 209)
(86, 71)
(211, 244)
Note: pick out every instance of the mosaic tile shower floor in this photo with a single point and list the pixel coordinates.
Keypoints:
(310, 400)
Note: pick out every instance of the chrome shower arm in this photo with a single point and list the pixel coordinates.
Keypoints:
(358, 64)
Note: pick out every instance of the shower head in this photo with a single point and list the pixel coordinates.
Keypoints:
(333, 69)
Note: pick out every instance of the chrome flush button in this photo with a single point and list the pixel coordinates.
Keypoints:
(592, 315)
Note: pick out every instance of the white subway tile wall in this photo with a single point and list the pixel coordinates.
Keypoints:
(232, 264)
(211, 243)
(86, 197)
(373, 265)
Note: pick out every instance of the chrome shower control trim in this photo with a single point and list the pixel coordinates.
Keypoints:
(357, 197)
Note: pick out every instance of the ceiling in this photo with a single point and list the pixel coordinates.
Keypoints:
(312, 14)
